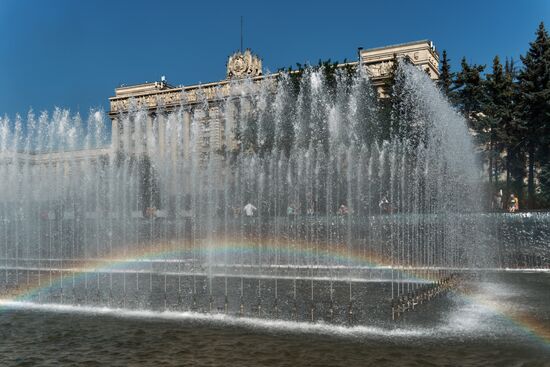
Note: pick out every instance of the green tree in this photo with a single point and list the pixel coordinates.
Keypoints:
(491, 132)
(469, 91)
(445, 81)
(469, 97)
(534, 105)
(511, 133)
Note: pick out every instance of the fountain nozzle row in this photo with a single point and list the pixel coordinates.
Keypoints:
(425, 293)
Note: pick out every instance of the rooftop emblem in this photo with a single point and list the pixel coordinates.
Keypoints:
(243, 65)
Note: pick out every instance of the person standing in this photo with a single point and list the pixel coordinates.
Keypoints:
(343, 210)
(513, 206)
(249, 210)
(384, 205)
(499, 200)
(290, 211)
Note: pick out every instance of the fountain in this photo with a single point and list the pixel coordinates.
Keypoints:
(358, 214)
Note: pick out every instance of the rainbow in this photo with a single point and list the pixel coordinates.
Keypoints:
(172, 250)
(118, 259)
(524, 321)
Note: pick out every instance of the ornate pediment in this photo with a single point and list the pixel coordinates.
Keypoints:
(243, 65)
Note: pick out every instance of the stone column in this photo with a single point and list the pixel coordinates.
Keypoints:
(161, 123)
(115, 135)
(229, 133)
(126, 135)
(149, 136)
(186, 134)
(137, 133)
(173, 131)
(245, 109)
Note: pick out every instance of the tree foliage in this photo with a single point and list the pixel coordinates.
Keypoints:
(509, 112)
(534, 106)
(445, 81)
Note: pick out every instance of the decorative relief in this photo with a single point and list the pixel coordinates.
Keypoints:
(243, 65)
(380, 69)
(172, 98)
(149, 101)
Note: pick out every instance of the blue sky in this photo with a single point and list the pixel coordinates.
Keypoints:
(72, 54)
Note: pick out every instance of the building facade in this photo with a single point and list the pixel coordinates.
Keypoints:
(218, 128)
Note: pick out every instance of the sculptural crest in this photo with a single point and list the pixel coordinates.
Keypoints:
(243, 65)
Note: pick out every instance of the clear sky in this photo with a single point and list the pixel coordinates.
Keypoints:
(73, 53)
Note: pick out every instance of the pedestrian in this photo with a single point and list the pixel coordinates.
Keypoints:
(249, 210)
(498, 200)
(290, 212)
(384, 205)
(343, 210)
(513, 206)
(249, 220)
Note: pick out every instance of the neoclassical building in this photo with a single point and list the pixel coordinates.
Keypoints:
(162, 96)
(158, 98)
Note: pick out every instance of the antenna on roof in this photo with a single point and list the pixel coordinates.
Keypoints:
(241, 34)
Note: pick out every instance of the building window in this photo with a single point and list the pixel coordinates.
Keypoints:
(205, 140)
